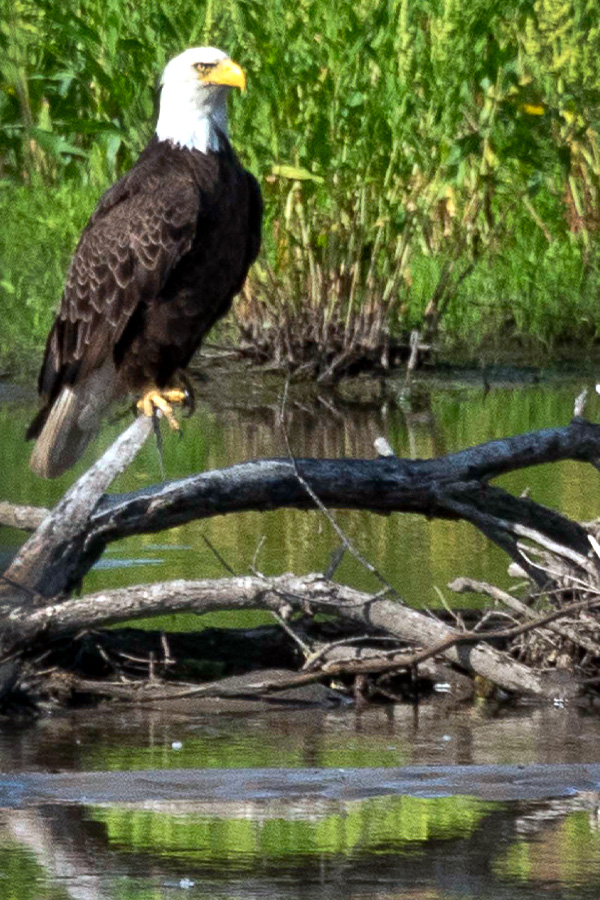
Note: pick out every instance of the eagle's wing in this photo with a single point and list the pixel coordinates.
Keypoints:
(126, 253)
(137, 234)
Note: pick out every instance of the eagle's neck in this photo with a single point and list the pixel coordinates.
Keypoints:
(185, 122)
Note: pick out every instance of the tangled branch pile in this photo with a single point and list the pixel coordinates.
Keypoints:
(544, 643)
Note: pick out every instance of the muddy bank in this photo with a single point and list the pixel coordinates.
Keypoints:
(212, 791)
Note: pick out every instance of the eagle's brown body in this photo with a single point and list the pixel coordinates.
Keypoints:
(160, 260)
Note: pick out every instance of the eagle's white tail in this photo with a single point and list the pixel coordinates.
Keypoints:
(72, 422)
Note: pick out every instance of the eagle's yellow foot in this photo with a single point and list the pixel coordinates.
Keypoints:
(155, 399)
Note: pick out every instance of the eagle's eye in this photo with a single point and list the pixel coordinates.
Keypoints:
(203, 68)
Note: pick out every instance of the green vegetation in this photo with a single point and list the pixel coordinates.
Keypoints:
(426, 164)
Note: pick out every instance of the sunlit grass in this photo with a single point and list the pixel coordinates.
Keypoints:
(40, 227)
(428, 166)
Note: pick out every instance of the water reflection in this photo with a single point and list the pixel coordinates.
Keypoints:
(389, 847)
(415, 555)
(121, 738)
(384, 847)
(291, 847)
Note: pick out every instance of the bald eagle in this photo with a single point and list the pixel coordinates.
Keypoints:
(160, 260)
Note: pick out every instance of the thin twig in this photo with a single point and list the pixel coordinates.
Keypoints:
(306, 648)
(259, 546)
(346, 642)
(328, 515)
(218, 555)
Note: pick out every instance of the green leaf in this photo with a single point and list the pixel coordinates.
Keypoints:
(8, 286)
(355, 99)
(90, 126)
(55, 143)
(295, 173)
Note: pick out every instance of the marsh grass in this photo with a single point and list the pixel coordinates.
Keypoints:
(40, 227)
(425, 165)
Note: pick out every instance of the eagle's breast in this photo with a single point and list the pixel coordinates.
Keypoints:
(169, 327)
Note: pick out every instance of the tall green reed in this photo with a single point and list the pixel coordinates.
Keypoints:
(400, 146)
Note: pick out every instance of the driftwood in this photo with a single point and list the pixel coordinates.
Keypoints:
(49, 561)
(285, 593)
(35, 608)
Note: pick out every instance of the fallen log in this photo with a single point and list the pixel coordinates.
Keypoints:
(455, 486)
(33, 597)
(469, 651)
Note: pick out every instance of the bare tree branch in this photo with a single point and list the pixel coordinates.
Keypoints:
(455, 486)
(301, 592)
(49, 560)
(27, 518)
(72, 537)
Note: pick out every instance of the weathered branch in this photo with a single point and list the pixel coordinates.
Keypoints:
(70, 539)
(470, 585)
(455, 486)
(28, 518)
(444, 487)
(110, 607)
(50, 560)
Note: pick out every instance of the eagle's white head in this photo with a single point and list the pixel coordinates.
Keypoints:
(193, 102)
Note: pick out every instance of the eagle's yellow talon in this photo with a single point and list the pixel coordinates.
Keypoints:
(155, 399)
(174, 395)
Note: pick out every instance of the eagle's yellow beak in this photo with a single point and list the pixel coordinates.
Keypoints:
(227, 72)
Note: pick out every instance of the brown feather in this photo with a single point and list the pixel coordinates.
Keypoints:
(164, 253)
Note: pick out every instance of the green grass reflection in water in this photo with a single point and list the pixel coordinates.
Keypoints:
(303, 828)
(430, 849)
(397, 847)
(415, 555)
(567, 852)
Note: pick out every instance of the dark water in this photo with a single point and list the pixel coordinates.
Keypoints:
(311, 824)
(286, 841)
